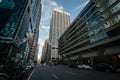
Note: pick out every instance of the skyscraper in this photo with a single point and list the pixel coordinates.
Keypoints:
(36, 15)
(60, 20)
(18, 28)
(14, 25)
(45, 52)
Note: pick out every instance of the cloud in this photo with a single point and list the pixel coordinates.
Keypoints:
(40, 48)
(44, 30)
(42, 2)
(81, 6)
(43, 26)
(39, 40)
(47, 8)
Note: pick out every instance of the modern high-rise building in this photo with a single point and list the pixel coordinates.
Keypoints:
(94, 36)
(36, 15)
(60, 20)
(16, 29)
(14, 25)
(45, 52)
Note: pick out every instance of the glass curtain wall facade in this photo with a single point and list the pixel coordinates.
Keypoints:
(12, 11)
(36, 15)
(93, 33)
(14, 25)
(36, 4)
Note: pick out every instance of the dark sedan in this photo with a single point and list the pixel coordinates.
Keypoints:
(104, 67)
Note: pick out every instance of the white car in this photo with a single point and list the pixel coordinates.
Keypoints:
(84, 66)
(44, 65)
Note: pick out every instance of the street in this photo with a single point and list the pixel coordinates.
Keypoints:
(61, 72)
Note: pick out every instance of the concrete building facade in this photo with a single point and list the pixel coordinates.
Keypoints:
(94, 36)
(60, 20)
(45, 52)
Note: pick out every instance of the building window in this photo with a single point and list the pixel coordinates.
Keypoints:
(7, 4)
(99, 37)
(28, 9)
(116, 8)
(30, 20)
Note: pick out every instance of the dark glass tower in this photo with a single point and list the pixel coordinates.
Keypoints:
(11, 14)
(11, 20)
(17, 27)
(36, 15)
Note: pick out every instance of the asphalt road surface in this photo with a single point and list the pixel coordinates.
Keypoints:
(61, 72)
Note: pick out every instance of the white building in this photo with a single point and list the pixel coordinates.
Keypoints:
(60, 20)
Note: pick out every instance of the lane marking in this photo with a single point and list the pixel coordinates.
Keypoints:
(71, 72)
(31, 74)
(54, 76)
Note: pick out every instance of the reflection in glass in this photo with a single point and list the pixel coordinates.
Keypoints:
(7, 4)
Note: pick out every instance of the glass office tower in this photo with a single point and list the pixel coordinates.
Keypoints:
(11, 14)
(35, 19)
(14, 25)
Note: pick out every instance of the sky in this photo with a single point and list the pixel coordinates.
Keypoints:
(74, 7)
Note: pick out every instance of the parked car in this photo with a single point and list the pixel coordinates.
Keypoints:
(44, 65)
(84, 66)
(104, 67)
